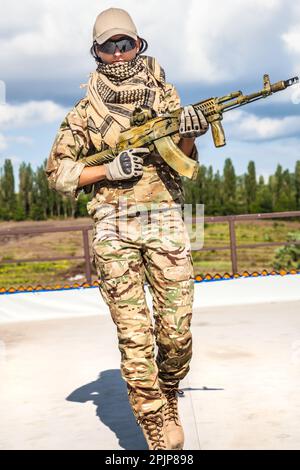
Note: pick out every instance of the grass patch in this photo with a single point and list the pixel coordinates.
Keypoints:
(44, 273)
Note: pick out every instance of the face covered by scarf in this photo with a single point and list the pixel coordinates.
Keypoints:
(115, 90)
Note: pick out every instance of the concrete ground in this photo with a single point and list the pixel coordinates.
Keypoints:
(61, 387)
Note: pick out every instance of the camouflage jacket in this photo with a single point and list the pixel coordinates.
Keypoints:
(159, 183)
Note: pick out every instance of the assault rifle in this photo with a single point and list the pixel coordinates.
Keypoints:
(155, 132)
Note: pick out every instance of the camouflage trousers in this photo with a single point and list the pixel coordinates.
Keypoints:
(154, 247)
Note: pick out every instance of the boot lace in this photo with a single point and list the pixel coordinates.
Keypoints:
(153, 426)
(171, 410)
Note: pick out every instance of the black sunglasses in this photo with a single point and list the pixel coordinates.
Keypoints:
(124, 44)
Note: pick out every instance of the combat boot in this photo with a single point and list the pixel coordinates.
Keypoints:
(153, 428)
(173, 424)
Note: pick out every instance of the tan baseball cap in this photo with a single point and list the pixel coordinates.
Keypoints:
(111, 22)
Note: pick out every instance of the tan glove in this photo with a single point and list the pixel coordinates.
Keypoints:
(126, 165)
(192, 122)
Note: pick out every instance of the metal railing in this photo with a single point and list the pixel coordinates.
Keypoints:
(232, 219)
(32, 230)
(84, 228)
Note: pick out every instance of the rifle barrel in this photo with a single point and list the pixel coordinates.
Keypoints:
(244, 99)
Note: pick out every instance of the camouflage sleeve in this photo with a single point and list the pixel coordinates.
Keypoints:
(172, 101)
(63, 167)
(171, 98)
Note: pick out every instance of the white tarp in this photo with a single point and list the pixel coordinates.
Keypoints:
(88, 301)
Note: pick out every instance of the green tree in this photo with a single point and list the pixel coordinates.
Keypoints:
(285, 200)
(217, 199)
(276, 186)
(250, 186)
(25, 188)
(229, 188)
(7, 190)
(297, 185)
(208, 190)
(81, 210)
(263, 201)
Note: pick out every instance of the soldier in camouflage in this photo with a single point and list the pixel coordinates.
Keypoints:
(138, 234)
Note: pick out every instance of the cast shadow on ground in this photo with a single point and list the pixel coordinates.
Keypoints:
(109, 395)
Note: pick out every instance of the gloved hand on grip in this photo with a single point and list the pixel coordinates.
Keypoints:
(126, 165)
(192, 122)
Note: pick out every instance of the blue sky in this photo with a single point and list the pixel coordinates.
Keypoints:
(206, 48)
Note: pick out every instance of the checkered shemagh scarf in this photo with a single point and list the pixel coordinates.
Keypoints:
(115, 90)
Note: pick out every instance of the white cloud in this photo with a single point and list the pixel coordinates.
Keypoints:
(30, 113)
(266, 154)
(226, 39)
(2, 92)
(3, 142)
(51, 41)
(23, 139)
(245, 126)
(203, 41)
(20, 139)
(295, 96)
(292, 39)
(6, 141)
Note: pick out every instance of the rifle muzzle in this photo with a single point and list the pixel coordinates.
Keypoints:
(283, 84)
